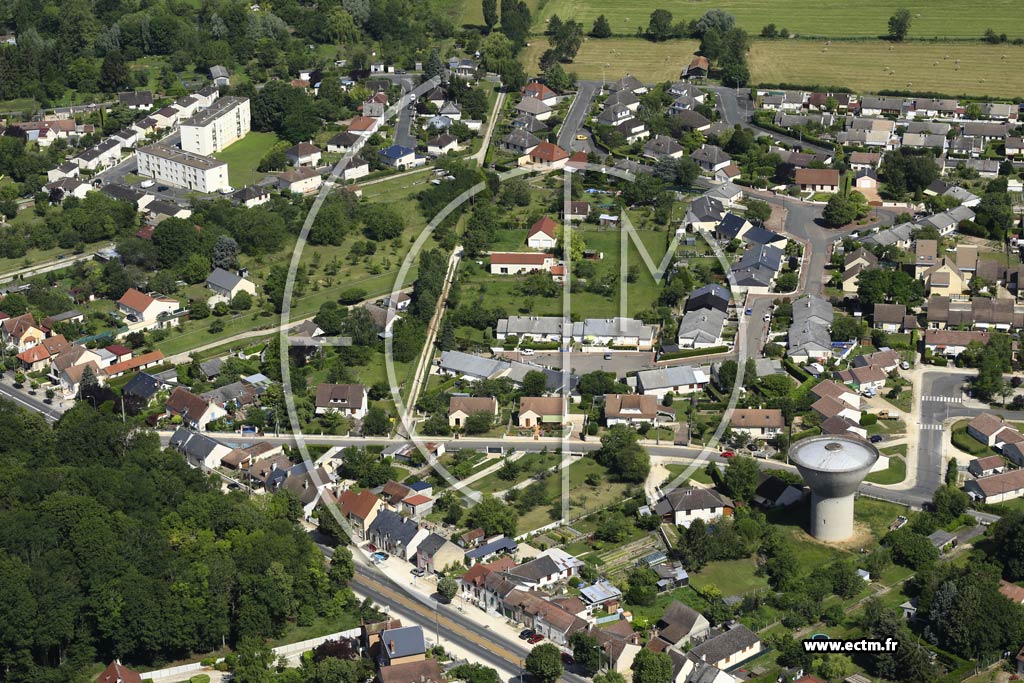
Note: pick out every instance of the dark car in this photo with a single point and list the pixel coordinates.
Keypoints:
(876, 438)
(527, 633)
(535, 638)
(567, 658)
(162, 188)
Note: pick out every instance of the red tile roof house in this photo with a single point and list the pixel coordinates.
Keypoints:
(350, 400)
(417, 505)
(541, 92)
(21, 332)
(519, 263)
(195, 411)
(548, 155)
(39, 356)
(359, 509)
(118, 673)
(148, 312)
(543, 234)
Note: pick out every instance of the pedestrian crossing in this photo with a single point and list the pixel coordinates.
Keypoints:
(936, 427)
(943, 399)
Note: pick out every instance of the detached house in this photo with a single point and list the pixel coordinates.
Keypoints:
(226, 284)
(21, 332)
(195, 412)
(758, 423)
(711, 158)
(817, 179)
(146, 311)
(630, 409)
(543, 234)
(350, 400)
(461, 407)
(683, 505)
(537, 411)
(436, 553)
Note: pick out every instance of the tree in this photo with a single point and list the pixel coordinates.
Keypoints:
(479, 423)
(601, 29)
(225, 253)
(950, 502)
(758, 211)
(899, 24)
(740, 479)
(241, 301)
(490, 9)
(376, 421)
(534, 383)
(660, 26)
(253, 661)
(641, 587)
(493, 516)
(623, 455)
(545, 663)
(586, 652)
(114, 73)
(839, 211)
(1008, 537)
(910, 549)
(473, 673)
(651, 667)
(447, 587)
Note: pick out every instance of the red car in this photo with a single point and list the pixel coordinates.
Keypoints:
(728, 454)
(535, 638)
(567, 658)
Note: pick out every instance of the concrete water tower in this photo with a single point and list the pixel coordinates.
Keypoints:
(833, 466)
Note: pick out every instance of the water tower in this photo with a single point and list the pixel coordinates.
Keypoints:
(833, 466)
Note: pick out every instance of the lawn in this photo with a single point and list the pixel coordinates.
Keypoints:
(894, 474)
(931, 18)
(529, 465)
(698, 475)
(967, 443)
(863, 65)
(877, 514)
(732, 577)
(244, 156)
(583, 498)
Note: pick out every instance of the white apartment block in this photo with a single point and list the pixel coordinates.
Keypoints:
(214, 128)
(187, 170)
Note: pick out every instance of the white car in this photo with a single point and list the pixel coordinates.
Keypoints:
(766, 317)
(147, 183)
(227, 189)
(526, 352)
(904, 365)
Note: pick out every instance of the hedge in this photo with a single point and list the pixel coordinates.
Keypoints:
(690, 353)
(799, 374)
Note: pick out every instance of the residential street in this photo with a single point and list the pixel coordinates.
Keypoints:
(578, 111)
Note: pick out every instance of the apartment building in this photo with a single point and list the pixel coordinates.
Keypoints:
(179, 168)
(214, 128)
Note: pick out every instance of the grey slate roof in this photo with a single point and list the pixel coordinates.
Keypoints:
(764, 255)
(713, 296)
(702, 326)
(526, 324)
(734, 640)
(677, 375)
(431, 544)
(503, 544)
(403, 642)
(470, 365)
(195, 446)
(143, 385)
(691, 499)
(394, 527)
(223, 279)
(760, 235)
(704, 209)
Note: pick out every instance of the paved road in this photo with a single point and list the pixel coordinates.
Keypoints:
(737, 108)
(58, 263)
(577, 114)
(26, 400)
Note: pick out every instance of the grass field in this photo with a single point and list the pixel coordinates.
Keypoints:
(732, 577)
(840, 18)
(863, 65)
(244, 156)
(894, 474)
(874, 65)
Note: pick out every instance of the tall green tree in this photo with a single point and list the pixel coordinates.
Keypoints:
(601, 29)
(899, 24)
(545, 663)
(651, 667)
(490, 10)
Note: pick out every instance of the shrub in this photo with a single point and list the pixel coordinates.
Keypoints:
(868, 419)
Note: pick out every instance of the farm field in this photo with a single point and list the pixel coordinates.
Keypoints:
(838, 18)
(862, 66)
(859, 64)
(651, 62)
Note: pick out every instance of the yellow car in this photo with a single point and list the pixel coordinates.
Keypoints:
(581, 136)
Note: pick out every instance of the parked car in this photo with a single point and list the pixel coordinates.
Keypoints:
(567, 658)
(904, 365)
(527, 633)
(750, 311)
(877, 438)
(535, 638)
(526, 352)
(607, 356)
(418, 571)
(728, 454)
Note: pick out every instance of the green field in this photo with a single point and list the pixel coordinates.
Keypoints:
(863, 65)
(244, 156)
(836, 18)
(732, 577)
(894, 474)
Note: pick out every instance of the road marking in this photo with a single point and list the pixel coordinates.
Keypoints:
(943, 399)
(937, 427)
